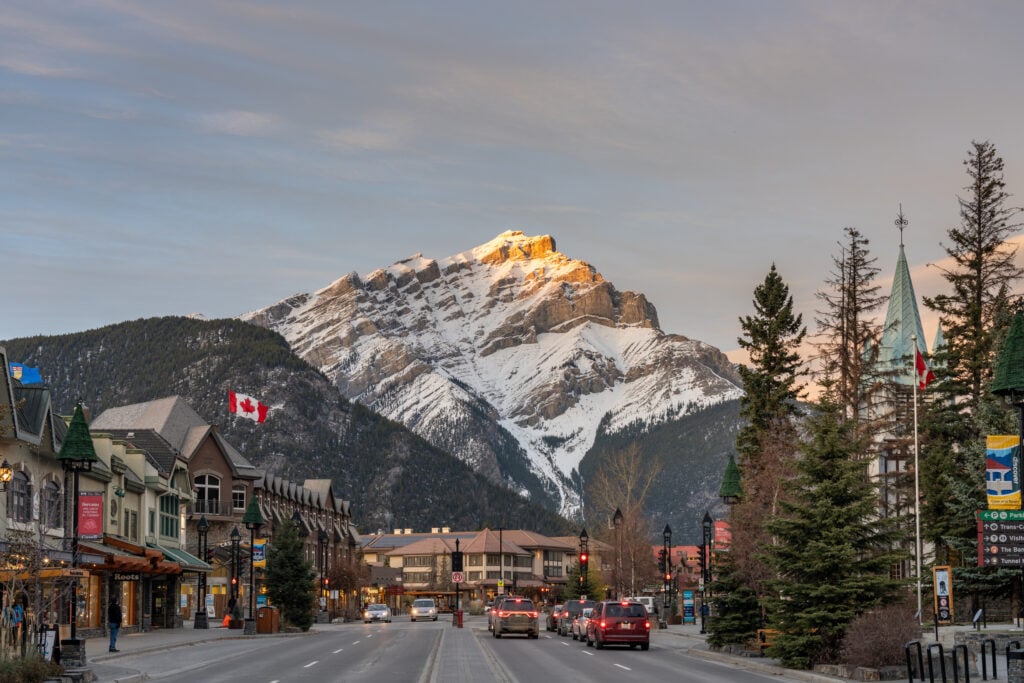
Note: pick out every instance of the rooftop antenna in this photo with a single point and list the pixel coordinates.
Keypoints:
(901, 223)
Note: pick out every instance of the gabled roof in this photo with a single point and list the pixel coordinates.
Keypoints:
(434, 545)
(33, 420)
(902, 321)
(158, 451)
(488, 541)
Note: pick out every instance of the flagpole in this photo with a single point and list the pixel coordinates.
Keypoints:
(917, 491)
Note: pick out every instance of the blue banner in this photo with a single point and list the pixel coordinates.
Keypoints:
(688, 615)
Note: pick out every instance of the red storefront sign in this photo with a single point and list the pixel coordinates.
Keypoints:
(90, 514)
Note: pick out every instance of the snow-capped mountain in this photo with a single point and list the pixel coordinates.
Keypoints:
(510, 355)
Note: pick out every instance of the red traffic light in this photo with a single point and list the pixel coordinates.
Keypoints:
(583, 557)
(668, 577)
(234, 580)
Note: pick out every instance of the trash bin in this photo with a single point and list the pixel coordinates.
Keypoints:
(458, 618)
(268, 620)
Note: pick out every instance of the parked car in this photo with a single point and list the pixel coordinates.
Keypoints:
(572, 609)
(579, 624)
(619, 622)
(516, 615)
(377, 612)
(423, 608)
(552, 618)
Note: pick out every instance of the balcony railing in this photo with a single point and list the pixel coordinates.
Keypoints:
(206, 507)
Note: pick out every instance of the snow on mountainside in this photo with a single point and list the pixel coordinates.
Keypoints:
(509, 355)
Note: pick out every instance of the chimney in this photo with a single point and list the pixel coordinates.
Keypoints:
(398, 532)
(434, 530)
(446, 530)
(408, 531)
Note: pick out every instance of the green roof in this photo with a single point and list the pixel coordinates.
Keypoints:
(731, 489)
(77, 445)
(1009, 377)
(252, 516)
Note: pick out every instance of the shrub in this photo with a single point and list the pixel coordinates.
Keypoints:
(31, 669)
(877, 638)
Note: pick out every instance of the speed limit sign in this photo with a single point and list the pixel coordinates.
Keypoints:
(457, 577)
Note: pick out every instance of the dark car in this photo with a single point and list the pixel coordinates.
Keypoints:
(552, 620)
(516, 615)
(571, 610)
(619, 622)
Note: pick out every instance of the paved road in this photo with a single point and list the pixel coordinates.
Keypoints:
(428, 653)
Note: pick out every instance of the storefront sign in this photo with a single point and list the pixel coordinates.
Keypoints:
(126, 576)
(90, 514)
(943, 586)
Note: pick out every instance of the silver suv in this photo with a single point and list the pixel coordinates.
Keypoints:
(516, 615)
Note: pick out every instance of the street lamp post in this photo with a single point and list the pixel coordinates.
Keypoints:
(76, 455)
(705, 573)
(253, 520)
(584, 562)
(322, 538)
(201, 619)
(236, 537)
(617, 523)
(666, 536)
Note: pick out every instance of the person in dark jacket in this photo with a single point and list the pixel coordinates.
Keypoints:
(114, 622)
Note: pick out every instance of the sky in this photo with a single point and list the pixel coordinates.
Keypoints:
(216, 157)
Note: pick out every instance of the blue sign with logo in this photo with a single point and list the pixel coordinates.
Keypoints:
(688, 614)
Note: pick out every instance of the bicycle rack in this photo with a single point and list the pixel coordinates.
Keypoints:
(942, 662)
(967, 665)
(910, 663)
(984, 668)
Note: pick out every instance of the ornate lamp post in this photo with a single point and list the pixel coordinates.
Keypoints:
(322, 539)
(705, 573)
(236, 537)
(584, 561)
(666, 536)
(76, 455)
(617, 523)
(253, 520)
(201, 620)
(731, 490)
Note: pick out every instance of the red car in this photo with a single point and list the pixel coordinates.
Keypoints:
(619, 622)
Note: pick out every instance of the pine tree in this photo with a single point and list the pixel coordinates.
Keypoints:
(289, 578)
(961, 411)
(983, 271)
(849, 335)
(737, 613)
(767, 441)
(831, 559)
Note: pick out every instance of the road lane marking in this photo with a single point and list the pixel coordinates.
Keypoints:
(565, 643)
(623, 667)
(333, 653)
(357, 642)
(588, 652)
(314, 662)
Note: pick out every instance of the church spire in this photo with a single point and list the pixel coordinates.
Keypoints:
(902, 319)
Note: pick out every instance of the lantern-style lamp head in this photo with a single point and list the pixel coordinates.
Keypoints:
(667, 535)
(6, 474)
(203, 526)
(252, 518)
(235, 535)
(617, 518)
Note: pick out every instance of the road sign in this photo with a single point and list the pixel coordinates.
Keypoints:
(457, 577)
(1001, 515)
(1000, 538)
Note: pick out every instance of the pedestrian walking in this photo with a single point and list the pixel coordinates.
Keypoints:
(114, 622)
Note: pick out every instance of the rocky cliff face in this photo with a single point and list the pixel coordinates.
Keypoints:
(509, 355)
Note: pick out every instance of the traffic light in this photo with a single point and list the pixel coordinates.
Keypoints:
(327, 582)
(234, 581)
(668, 577)
(584, 559)
(456, 560)
(661, 561)
(701, 556)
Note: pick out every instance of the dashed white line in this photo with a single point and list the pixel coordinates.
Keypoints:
(357, 642)
(623, 667)
(313, 663)
(333, 653)
(588, 652)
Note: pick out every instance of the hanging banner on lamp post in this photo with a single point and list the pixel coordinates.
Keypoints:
(1002, 472)
(259, 553)
(90, 514)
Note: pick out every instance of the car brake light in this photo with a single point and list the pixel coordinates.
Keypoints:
(602, 624)
(533, 615)
(647, 625)
(624, 603)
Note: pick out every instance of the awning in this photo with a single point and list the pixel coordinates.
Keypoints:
(116, 559)
(188, 561)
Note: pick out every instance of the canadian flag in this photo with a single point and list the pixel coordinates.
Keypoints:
(924, 373)
(247, 406)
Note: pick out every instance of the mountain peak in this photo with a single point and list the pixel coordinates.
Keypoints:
(514, 245)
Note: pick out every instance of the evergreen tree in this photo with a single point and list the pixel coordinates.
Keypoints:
(849, 335)
(767, 441)
(975, 317)
(772, 340)
(289, 578)
(983, 271)
(831, 559)
(737, 613)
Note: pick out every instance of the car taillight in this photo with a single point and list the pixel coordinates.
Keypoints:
(647, 625)
(533, 615)
(502, 613)
(602, 624)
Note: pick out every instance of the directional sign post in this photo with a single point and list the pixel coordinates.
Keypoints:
(1001, 538)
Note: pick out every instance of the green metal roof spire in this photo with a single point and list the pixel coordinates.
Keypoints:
(252, 517)
(77, 445)
(902, 321)
(1009, 379)
(731, 490)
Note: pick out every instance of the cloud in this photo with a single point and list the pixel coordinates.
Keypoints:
(241, 123)
(31, 68)
(363, 139)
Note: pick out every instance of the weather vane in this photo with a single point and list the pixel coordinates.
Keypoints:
(901, 223)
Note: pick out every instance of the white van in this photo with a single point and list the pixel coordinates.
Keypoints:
(645, 600)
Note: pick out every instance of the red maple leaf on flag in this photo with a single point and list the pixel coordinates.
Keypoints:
(247, 406)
